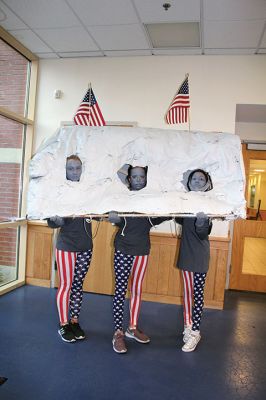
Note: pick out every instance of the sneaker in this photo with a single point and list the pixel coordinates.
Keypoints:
(119, 342)
(138, 335)
(66, 333)
(77, 330)
(192, 342)
(186, 333)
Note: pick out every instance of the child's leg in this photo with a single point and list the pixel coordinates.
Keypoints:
(137, 276)
(65, 264)
(199, 283)
(76, 294)
(122, 265)
(188, 296)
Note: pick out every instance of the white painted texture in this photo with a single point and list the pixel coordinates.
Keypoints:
(167, 153)
(141, 88)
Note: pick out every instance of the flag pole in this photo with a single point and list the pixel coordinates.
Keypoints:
(90, 104)
(186, 77)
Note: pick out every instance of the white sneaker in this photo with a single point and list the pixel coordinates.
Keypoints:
(192, 342)
(186, 333)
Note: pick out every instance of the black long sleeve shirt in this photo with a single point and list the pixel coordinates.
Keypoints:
(133, 236)
(74, 235)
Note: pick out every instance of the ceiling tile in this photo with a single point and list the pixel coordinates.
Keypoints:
(120, 37)
(44, 13)
(83, 28)
(232, 34)
(263, 42)
(125, 53)
(234, 9)
(9, 20)
(179, 34)
(47, 55)
(229, 51)
(76, 54)
(104, 12)
(68, 39)
(180, 10)
(30, 40)
(176, 52)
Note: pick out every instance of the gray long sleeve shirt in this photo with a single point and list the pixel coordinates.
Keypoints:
(194, 252)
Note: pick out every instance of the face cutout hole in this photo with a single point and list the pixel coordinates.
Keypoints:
(73, 168)
(197, 180)
(135, 178)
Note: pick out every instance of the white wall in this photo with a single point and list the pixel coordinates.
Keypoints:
(141, 88)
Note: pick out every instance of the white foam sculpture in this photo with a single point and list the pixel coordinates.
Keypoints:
(167, 153)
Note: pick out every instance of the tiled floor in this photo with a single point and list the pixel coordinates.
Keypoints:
(229, 362)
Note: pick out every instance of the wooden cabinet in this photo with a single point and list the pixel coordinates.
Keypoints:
(162, 282)
(39, 254)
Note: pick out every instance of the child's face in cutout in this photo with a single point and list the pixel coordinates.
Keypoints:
(137, 178)
(197, 182)
(73, 170)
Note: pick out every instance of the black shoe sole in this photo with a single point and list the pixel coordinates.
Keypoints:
(65, 340)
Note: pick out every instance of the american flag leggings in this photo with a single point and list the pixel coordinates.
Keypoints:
(124, 265)
(72, 269)
(193, 283)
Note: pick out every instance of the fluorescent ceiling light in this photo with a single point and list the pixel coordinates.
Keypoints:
(179, 34)
(259, 170)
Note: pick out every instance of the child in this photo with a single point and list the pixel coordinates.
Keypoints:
(193, 260)
(73, 256)
(132, 247)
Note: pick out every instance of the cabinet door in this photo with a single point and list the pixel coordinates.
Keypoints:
(39, 255)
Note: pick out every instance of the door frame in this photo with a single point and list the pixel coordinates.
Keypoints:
(246, 228)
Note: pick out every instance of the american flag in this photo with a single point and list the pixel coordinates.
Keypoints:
(89, 112)
(178, 110)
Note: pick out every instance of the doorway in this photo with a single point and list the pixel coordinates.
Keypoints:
(248, 263)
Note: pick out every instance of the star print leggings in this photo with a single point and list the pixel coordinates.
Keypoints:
(72, 269)
(125, 264)
(194, 283)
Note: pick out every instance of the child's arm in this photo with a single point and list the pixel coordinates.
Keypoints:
(55, 222)
(203, 225)
(114, 218)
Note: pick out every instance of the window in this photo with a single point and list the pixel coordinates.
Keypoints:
(18, 71)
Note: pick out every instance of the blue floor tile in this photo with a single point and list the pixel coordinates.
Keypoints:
(229, 362)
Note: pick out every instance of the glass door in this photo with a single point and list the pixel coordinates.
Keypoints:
(248, 263)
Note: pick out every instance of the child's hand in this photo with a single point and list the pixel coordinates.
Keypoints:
(57, 220)
(113, 217)
(201, 218)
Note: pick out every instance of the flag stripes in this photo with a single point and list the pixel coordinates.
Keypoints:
(178, 111)
(89, 112)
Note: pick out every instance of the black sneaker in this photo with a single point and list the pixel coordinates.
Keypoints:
(79, 333)
(2, 380)
(66, 333)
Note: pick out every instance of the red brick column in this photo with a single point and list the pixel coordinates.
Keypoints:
(13, 78)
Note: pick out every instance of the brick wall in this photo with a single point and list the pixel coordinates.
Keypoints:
(8, 242)
(13, 78)
(10, 134)
(9, 189)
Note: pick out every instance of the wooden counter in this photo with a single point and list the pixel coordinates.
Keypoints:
(162, 282)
